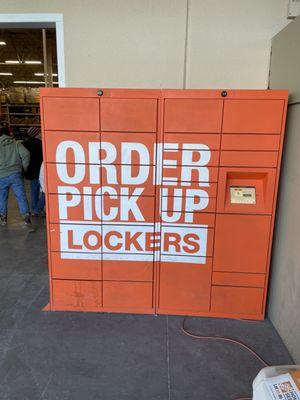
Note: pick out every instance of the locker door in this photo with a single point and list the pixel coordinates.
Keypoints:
(128, 115)
(76, 113)
(128, 139)
(193, 115)
(242, 243)
(188, 203)
(253, 116)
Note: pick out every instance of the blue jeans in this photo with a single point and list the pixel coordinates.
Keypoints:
(16, 182)
(37, 197)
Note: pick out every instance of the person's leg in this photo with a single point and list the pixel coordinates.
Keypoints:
(17, 185)
(4, 190)
(41, 203)
(35, 195)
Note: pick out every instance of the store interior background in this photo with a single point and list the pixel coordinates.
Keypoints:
(22, 73)
(190, 44)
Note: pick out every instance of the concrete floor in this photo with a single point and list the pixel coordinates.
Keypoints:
(76, 356)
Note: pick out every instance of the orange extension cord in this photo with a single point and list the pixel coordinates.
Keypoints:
(226, 339)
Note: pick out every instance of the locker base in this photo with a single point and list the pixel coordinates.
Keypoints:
(147, 311)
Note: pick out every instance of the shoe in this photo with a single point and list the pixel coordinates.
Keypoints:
(27, 219)
(3, 220)
(27, 222)
(35, 215)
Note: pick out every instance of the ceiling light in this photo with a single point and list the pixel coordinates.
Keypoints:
(33, 62)
(6, 73)
(30, 82)
(12, 62)
(42, 74)
(2, 43)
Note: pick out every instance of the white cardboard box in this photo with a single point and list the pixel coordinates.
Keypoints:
(277, 383)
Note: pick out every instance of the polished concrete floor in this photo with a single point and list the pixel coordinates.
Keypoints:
(76, 356)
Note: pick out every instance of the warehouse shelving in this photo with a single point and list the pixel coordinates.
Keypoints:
(13, 112)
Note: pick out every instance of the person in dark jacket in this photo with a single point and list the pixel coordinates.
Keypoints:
(33, 144)
(14, 159)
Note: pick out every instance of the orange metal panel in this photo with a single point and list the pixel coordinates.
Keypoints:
(58, 150)
(197, 218)
(81, 295)
(119, 295)
(77, 238)
(231, 94)
(128, 179)
(188, 188)
(68, 92)
(250, 142)
(193, 242)
(191, 94)
(66, 268)
(53, 232)
(195, 189)
(195, 158)
(248, 158)
(189, 175)
(241, 243)
(129, 115)
(193, 140)
(73, 114)
(128, 241)
(131, 93)
(193, 115)
(248, 116)
(128, 270)
(238, 300)
(128, 148)
(128, 209)
(64, 175)
(176, 205)
(185, 287)
(74, 207)
(238, 279)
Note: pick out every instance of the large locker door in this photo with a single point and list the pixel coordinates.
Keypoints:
(128, 157)
(191, 145)
(70, 125)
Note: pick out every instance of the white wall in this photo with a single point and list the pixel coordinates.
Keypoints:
(285, 62)
(284, 293)
(141, 43)
(230, 42)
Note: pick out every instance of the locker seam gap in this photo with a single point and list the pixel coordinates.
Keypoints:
(216, 207)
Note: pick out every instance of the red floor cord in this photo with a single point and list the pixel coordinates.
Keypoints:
(226, 339)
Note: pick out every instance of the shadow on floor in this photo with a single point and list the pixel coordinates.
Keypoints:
(77, 356)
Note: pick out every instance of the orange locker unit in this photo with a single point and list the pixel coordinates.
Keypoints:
(161, 201)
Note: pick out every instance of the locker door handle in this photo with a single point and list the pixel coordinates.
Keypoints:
(100, 92)
(224, 93)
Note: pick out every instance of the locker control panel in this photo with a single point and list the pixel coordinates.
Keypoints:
(242, 195)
